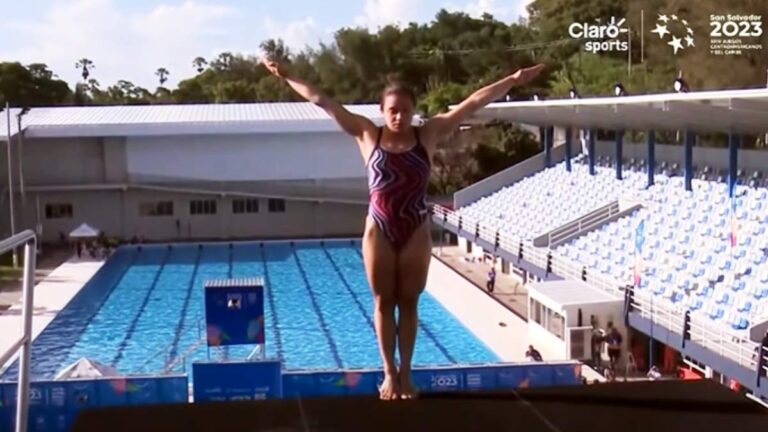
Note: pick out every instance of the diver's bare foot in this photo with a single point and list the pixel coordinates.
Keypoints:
(390, 388)
(407, 389)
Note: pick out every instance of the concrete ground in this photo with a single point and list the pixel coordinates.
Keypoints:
(10, 279)
(59, 277)
(509, 290)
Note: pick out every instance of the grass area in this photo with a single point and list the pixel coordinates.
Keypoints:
(6, 259)
(8, 273)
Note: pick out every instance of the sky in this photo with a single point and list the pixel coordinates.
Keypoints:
(131, 39)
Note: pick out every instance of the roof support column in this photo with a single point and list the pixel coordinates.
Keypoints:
(591, 150)
(734, 140)
(690, 138)
(548, 139)
(568, 149)
(619, 152)
(651, 141)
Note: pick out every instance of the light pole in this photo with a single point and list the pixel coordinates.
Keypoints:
(10, 181)
(20, 155)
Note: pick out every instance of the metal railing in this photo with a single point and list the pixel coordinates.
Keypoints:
(721, 340)
(23, 344)
(587, 222)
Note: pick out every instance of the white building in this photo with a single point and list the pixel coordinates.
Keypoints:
(184, 171)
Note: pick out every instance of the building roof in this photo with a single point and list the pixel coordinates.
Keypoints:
(741, 111)
(153, 120)
(569, 292)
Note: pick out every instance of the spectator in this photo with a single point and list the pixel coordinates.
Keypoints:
(533, 354)
(654, 373)
(614, 344)
(597, 345)
(491, 280)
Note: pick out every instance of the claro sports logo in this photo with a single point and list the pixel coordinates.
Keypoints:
(601, 37)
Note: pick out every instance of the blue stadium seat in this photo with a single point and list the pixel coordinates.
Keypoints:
(687, 255)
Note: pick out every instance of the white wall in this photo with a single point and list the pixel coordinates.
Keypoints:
(607, 311)
(54, 161)
(101, 209)
(245, 157)
(550, 346)
(117, 213)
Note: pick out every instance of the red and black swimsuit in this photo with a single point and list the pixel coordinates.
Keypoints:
(397, 185)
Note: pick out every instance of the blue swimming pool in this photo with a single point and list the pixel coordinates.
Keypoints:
(143, 312)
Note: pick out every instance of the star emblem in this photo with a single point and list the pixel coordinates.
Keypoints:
(665, 26)
(661, 30)
(676, 43)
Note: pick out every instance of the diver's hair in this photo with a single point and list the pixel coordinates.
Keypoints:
(396, 86)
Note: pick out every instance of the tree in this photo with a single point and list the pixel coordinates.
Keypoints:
(86, 65)
(162, 74)
(275, 50)
(453, 166)
(31, 86)
(199, 63)
(223, 61)
(40, 71)
(506, 146)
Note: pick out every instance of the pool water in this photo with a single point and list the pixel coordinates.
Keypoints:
(143, 312)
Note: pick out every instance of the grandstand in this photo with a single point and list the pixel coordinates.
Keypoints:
(675, 231)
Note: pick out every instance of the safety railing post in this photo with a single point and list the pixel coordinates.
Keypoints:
(24, 360)
(23, 344)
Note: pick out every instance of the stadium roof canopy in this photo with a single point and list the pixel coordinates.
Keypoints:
(740, 111)
(158, 120)
(569, 292)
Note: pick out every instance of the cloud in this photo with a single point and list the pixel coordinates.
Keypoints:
(297, 35)
(508, 12)
(122, 45)
(379, 13)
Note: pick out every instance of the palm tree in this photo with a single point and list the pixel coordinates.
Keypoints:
(86, 65)
(162, 73)
(199, 63)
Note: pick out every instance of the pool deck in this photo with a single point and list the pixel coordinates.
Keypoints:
(509, 290)
(496, 319)
(505, 333)
(52, 293)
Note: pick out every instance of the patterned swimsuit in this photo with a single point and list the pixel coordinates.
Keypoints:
(397, 185)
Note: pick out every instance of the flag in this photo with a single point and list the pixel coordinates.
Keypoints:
(639, 240)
